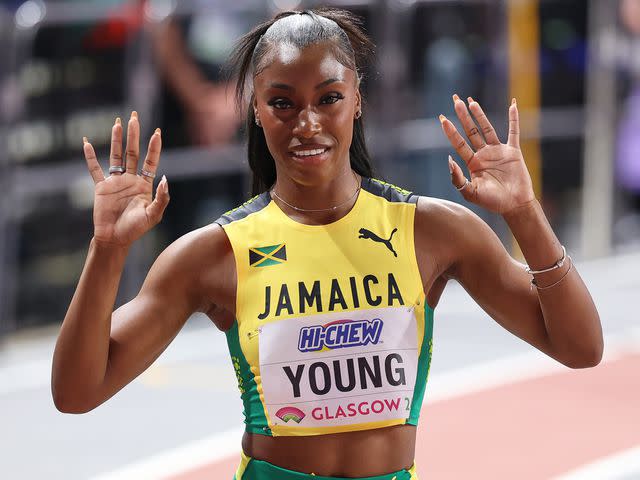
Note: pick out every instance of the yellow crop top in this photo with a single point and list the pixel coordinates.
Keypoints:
(332, 329)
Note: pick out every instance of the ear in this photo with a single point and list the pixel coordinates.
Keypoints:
(254, 103)
(358, 106)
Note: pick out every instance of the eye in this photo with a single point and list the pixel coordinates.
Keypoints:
(331, 98)
(279, 103)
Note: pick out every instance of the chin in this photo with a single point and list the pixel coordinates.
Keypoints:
(313, 170)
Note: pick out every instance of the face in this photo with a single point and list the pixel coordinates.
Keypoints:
(306, 102)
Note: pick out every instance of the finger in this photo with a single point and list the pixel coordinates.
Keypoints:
(456, 140)
(115, 157)
(485, 125)
(468, 124)
(155, 209)
(133, 143)
(153, 155)
(92, 161)
(514, 125)
(459, 180)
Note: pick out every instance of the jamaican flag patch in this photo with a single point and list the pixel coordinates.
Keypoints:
(266, 256)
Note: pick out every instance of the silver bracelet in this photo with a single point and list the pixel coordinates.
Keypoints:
(555, 266)
(535, 284)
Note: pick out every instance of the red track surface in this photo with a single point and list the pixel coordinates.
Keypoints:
(533, 429)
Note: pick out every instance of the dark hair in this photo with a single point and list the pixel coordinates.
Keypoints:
(351, 47)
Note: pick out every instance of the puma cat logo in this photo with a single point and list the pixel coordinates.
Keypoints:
(364, 233)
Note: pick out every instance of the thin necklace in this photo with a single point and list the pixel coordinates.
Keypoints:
(298, 209)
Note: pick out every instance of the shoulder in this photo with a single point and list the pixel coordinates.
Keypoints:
(440, 213)
(187, 265)
(203, 244)
(450, 232)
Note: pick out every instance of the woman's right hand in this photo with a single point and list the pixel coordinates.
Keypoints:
(123, 207)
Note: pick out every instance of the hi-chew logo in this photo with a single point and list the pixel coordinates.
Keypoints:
(290, 413)
(340, 334)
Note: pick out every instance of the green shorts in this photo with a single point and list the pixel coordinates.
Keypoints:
(252, 469)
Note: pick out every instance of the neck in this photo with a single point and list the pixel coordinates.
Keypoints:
(317, 204)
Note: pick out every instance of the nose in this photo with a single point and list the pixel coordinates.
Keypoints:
(307, 124)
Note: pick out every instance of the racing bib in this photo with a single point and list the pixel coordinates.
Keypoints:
(342, 368)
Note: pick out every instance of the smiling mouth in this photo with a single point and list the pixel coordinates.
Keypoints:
(309, 154)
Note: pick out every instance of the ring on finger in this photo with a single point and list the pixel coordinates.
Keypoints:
(146, 173)
(116, 169)
(462, 187)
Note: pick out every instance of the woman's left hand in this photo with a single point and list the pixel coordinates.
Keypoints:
(499, 181)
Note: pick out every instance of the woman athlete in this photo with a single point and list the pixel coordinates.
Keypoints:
(310, 276)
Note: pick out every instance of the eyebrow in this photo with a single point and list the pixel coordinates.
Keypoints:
(284, 86)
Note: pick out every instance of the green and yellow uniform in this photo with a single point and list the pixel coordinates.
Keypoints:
(332, 331)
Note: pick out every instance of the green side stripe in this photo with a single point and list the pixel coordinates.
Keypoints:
(424, 362)
(254, 417)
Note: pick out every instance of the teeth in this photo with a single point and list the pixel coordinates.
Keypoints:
(306, 153)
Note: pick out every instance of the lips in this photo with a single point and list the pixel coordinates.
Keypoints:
(310, 153)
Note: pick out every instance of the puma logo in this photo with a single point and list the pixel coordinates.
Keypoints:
(364, 233)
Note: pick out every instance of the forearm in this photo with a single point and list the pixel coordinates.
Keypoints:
(180, 72)
(569, 314)
(82, 349)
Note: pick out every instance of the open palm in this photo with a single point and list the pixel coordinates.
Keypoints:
(499, 180)
(123, 205)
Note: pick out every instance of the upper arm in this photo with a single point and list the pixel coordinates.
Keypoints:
(174, 288)
(471, 253)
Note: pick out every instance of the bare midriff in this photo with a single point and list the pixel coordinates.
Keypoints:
(351, 454)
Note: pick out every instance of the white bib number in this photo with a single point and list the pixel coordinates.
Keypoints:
(339, 368)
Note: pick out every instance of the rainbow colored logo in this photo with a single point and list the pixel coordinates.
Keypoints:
(290, 413)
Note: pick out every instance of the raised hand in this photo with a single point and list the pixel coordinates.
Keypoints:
(499, 181)
(123, 207)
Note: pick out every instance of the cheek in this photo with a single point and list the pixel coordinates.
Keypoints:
(277, 135)
(344, 126)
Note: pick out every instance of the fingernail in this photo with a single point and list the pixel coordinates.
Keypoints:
(469, 99)
(455, 97)
(118, 121)
(84, 140)
(442, 118)
(450, 165)
(134, 114)
(513, 101)
(158, 131)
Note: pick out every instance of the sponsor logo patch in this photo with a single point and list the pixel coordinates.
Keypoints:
(368, 234)
(290, 413)
(340, 334)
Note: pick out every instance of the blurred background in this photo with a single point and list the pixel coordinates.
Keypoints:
(68, 68)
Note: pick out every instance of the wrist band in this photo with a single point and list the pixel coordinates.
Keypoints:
(555, 266)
